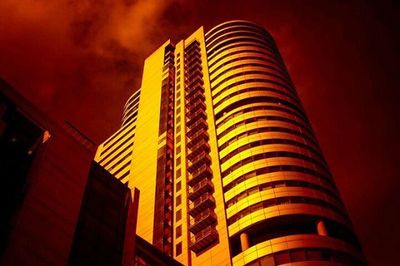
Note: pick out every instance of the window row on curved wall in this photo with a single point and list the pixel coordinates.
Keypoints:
(222, 46)
(272, 141)
(277, 184)
(301, 227)
(110, 148)
(307, 255)
(285, 200)
(275, 79)
(254, 108)
(263, 74)
(216, 36)
(264, 118)
(259, 130)
(232, 52)
(112, 140)
(214, 32)
(253, 63)
(128, 142)
(235, 32)
(275, 154)
(228, 37)
(257, 99)
(274, 169)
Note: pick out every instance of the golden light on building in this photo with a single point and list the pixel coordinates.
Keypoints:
(229, 169)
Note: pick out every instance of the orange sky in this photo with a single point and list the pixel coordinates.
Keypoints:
(81, 59)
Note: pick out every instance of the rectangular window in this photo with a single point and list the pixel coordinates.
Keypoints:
(178, 231)
(178, 216)
(178, 200)
(178, 249)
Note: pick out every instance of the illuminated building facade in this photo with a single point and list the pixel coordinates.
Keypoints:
(229, 169)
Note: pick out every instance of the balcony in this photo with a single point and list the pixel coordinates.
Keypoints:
(206, 201)
(201, 124)
(193, 68)
(195, 97)
(202, 172)
(194, 117)
(195, 106)
(198, 148)
(193, 59)
(203, 220)
(200, 188)
(195, 72)
(203, 239)
(202, 158)
(198, 80)
(191, 90)
(195, 138)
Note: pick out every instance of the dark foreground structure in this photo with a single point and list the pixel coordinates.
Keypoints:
(58, 206)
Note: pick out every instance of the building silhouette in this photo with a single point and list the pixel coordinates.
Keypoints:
(58, 207)
(228, 166)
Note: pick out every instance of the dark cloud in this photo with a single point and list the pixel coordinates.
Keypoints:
(80, 60)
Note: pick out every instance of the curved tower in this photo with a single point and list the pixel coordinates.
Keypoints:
(228, 166)
(281, 202)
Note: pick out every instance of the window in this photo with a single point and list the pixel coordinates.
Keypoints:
(282, 258)
(178, 232)
(178, 215)
(178, 249)
(178, 200)
(178, 186)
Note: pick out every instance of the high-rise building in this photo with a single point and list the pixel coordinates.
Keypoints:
(228, 166)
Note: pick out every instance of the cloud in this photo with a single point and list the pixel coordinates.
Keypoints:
(59, 54)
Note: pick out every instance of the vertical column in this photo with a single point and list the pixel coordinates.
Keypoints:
(162, 234)
(202, 205)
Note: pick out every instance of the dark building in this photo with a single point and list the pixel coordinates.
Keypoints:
(105, 233)
(44, 168)
(55, 210)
